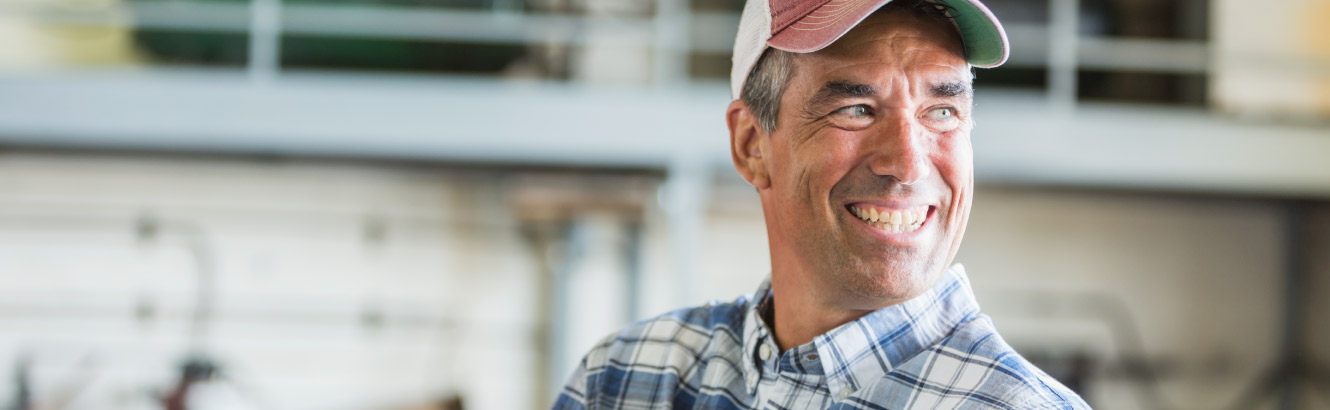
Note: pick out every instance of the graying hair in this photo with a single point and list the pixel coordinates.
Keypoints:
(765, 85)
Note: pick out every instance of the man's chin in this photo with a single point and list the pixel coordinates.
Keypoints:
(878, 289)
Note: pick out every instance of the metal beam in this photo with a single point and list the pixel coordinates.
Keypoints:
(674, 30)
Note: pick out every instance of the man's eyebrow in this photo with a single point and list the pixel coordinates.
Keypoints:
(956, 89)
(835, 90)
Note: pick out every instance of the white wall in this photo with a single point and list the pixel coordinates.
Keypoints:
(1199, 279)
(1271, 61)
(296, 278)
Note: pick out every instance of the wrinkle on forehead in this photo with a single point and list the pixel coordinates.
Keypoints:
(900, 30)
(898, 33)
(886, 46)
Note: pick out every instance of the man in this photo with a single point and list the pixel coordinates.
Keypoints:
(852, 120)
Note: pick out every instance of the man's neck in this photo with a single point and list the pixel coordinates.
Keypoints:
(798, 315)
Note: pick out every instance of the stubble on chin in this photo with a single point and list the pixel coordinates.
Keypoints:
(872, 284)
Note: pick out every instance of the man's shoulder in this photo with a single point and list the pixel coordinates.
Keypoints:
(674, 339)
(976, 359)
(663, 360)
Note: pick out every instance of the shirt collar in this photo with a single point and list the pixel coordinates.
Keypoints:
(756, 333)
(864, 350)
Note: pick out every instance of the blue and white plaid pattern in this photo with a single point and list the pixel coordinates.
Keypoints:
(935, 351)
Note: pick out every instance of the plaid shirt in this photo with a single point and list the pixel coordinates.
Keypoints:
(933, 351)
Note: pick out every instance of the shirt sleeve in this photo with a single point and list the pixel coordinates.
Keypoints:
(573, 395)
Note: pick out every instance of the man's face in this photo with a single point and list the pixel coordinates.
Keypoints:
(875, 126)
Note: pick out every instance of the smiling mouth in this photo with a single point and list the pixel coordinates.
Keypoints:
(893, 220)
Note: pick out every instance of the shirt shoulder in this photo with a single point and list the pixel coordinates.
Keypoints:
(976, 360)
(664, 359)
(674, 338)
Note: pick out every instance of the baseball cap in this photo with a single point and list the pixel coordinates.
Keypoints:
(805, 26)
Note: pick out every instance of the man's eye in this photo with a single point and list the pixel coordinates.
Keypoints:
(941, 113)
(854, 111)
(941, 119)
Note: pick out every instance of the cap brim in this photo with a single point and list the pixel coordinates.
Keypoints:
(985, 41)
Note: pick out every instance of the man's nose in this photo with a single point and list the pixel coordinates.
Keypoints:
(898, 150)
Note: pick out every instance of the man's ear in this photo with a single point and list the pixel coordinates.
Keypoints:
(746, 137)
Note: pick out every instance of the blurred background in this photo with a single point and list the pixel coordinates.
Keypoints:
(441, 204)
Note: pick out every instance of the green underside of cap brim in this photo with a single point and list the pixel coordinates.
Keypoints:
(984, 46)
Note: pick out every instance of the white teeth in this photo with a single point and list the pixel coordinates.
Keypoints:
(897, 221)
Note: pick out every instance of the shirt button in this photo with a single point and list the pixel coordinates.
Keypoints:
(752, 379)
(764, 351)
(843, 394)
